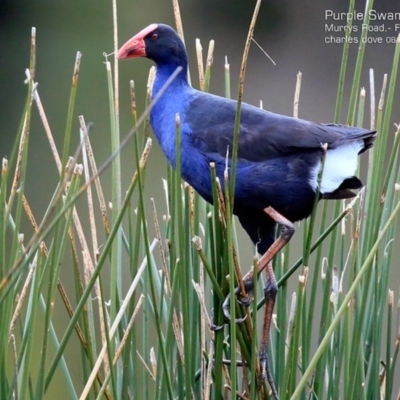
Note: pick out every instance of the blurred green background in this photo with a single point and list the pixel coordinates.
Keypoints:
(293, 33)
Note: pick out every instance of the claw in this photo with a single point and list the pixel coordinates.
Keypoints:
(215, 327)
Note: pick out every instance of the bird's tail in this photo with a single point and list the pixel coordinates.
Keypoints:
(344, 191)
(353, 133)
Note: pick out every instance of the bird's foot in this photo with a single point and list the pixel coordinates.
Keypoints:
(246, 300)
(266, 373)
(243, 301)
(214, 327)
(227, 317)
(226, 306)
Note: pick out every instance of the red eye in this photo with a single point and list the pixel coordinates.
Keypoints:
(154, 36)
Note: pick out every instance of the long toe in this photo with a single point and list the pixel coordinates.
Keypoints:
(226, 309)
(215, 327)
(266, 373)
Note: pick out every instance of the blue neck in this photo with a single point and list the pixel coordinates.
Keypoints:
(164, 71)
(172, 101)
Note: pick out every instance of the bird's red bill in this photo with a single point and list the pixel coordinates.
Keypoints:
(135, 46)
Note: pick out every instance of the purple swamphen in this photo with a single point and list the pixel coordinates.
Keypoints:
(279, 157)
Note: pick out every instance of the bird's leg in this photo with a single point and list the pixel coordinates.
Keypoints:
(286, 233)
(287, 230)
(270, 291)
(265, 263)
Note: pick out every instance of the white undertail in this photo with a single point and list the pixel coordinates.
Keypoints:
(340, 164)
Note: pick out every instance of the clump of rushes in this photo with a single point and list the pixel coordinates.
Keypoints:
(154, 338)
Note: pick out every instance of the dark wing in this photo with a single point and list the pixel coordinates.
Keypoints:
(263, 135)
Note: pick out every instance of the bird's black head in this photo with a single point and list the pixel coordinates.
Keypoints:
(158, 42)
